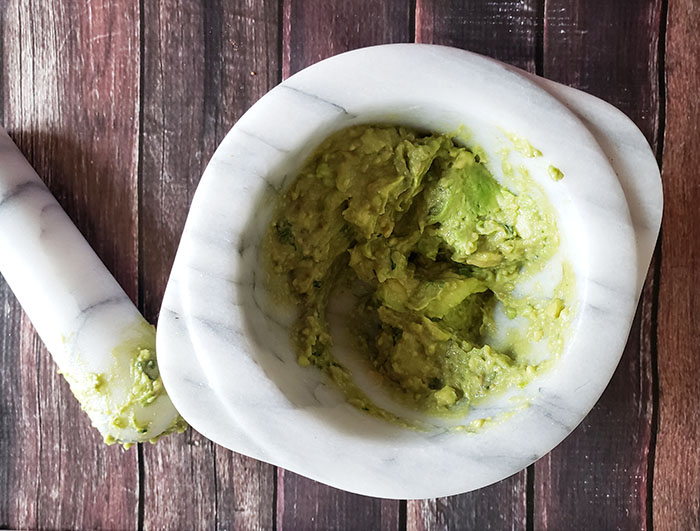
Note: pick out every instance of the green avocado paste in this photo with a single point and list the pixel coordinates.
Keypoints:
(417, 228)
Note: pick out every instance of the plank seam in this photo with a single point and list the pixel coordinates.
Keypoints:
(216, 486)
(530, 498)
(654, 325)
(139, 162)
(274, 499)
(141, 512)
(141, 475)
(40, 439)
(280, 39)
(541, 7)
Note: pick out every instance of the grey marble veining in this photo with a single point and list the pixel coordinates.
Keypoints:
(224, 349)
(80, 312)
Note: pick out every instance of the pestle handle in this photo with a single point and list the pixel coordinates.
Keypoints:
(98, 338)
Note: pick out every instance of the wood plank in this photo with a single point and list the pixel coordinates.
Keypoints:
(205, 63)
(499, 506)
(18, 427)
(506, 31)
(70, 96)
(677, 471)
(597, 478)
(503, 29)
(306, 504)
(313, 31)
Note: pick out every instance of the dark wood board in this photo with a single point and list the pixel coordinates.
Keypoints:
(499, 506)
(677, 472)
(205, 63)
(306, 504)
(119, 106)
(70, 102)
(506, 31)
(597, 478)
(313, 30)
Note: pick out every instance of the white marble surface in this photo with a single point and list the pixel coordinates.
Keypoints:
(76, 306)
(224, 351)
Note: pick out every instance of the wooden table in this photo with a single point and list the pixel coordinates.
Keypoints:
(119, 106)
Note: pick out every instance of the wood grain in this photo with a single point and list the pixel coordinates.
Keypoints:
(313, 31)
(500, 506)
(70, 97)
(597, 478)
(677, 473)
(205, 63)
(119, 110)
(503, 29)
(306, 504)
(17, 422)
(506, 31)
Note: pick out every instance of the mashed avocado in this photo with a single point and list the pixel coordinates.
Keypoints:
(417, 227)
(132, 383)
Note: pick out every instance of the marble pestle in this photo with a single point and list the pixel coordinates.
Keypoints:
(98, 338)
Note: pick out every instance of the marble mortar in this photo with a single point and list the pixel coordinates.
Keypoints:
(224, 349)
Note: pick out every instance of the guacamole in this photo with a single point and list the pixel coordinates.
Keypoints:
(419, 230)
(122, 394)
